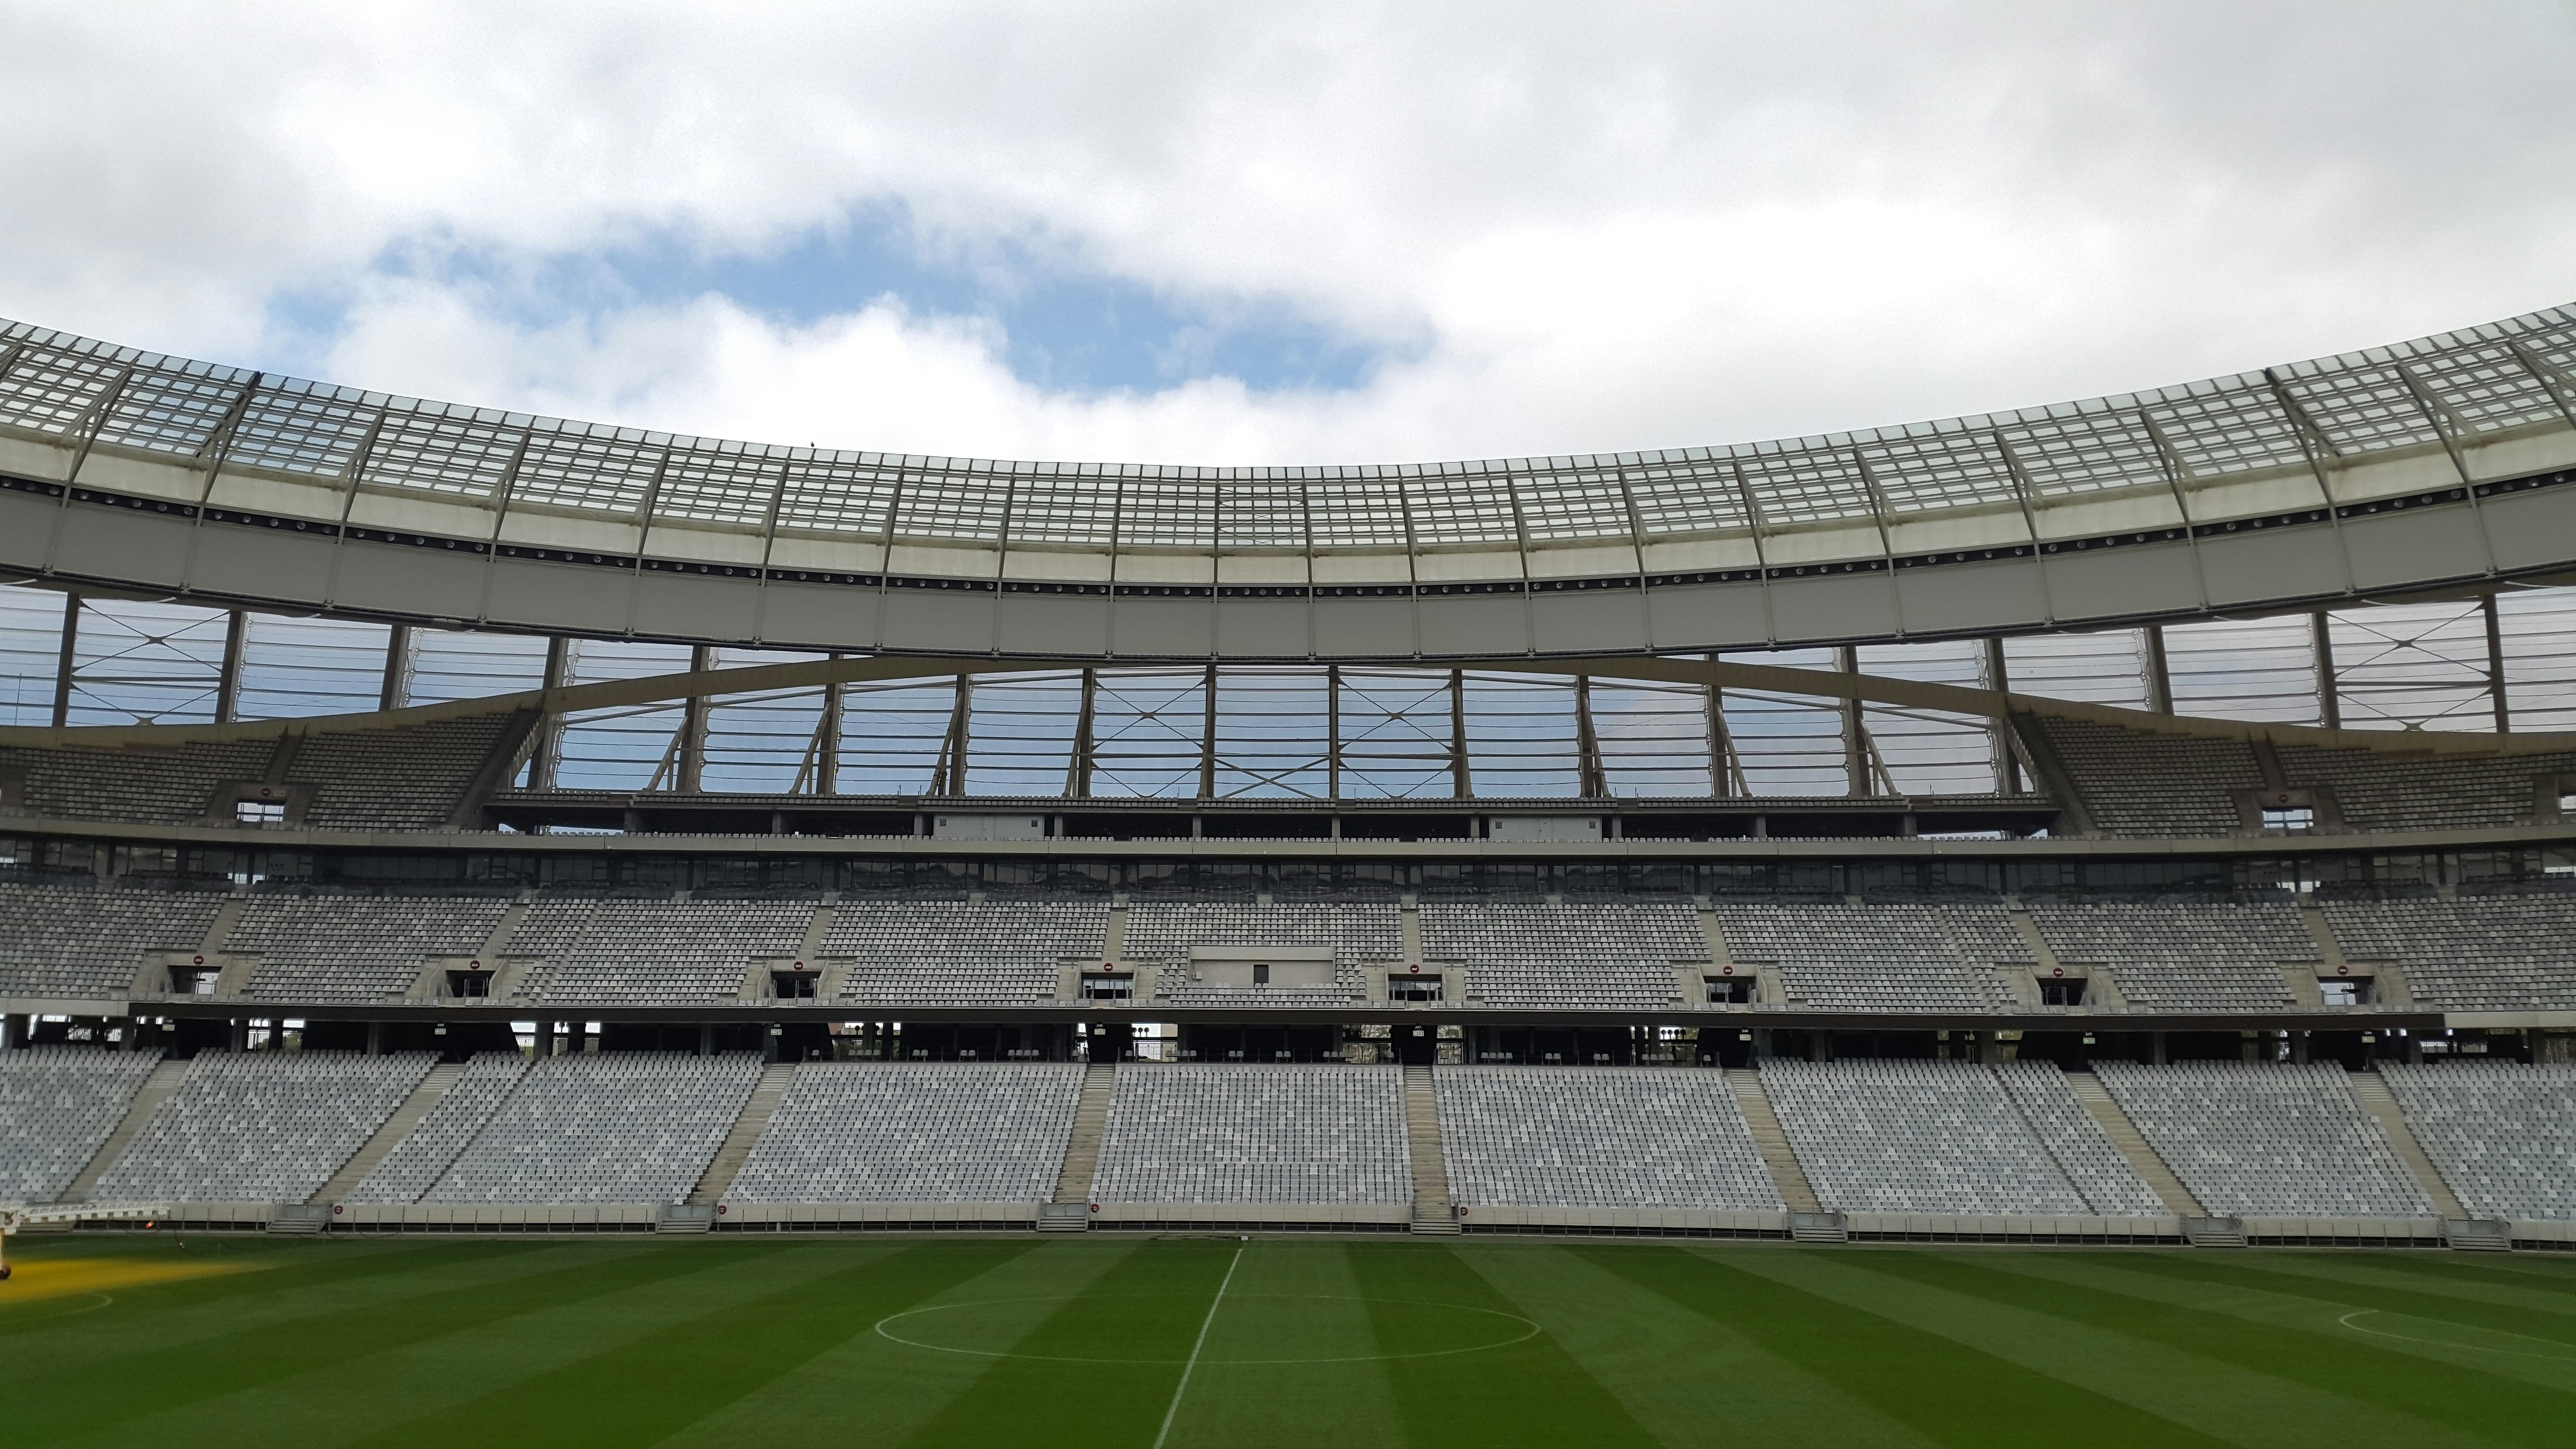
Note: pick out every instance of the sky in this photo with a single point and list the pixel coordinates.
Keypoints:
(1279, 233)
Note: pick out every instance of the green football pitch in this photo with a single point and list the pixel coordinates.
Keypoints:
(1134, 1342)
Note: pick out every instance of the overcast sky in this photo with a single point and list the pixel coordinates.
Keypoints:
(1279, 232)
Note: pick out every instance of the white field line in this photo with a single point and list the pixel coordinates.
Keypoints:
(1192, 1366)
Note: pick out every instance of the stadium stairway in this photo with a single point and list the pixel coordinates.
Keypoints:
(1069, 1211)
(155, 1090)
(1432, 1212)
(2371, 1090)
(434, 1086)
(1786, 1174)
(757, 1109)
(2124, 1136)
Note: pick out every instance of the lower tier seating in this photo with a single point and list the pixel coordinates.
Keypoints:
(57, 1106)
(632, 1127)
(1189, 1133)
(1948, 1137)
(2267, 1140)
(2502, 1134)
(1610, 1137)
(417, 1162)
(260, 1126)
(865, 1132)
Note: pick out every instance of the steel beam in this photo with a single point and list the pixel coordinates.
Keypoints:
(2495, 665)
(1462, 780)
(396, 689)
(63, 666)
(2329, 698)
(549, 747)
(1592, 782)
(1858, 777)
(691, 776)
(228, 670)
(2158, 670)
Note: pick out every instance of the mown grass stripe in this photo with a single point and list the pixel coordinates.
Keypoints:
(2268, 1276)
(643, 1391)
(2499, 1407)
(1146, 1307)
(1531, 1392)
(117, 1390)
(1948, 1391)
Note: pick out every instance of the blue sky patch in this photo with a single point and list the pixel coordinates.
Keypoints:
(1070, 328)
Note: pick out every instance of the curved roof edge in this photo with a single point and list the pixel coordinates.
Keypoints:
(2436, 463)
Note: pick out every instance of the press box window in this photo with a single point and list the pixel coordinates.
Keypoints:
(469, 983)
(2056, 992)
(2344, 990)
(1414, 988)
(794, 985)
(193, 980)
(1730, 990)
(259, 813)
(1108, 988)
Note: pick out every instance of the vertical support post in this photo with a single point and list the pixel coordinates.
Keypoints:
(541, 769)
(398, 657)
(691, 775)
(63, 667)
(2159, 672)
(1207, 737)
(1592, 782)
(2329, 699)
(228, 672)
(1462, 779)
(1078, 771)
(1333, 732)
(1725, 771)
(2495, 665)
(1856, 772)
(827, 739)
(2008, 779)
(949, 776)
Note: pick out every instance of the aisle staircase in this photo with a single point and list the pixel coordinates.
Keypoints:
(747, 1127)
(155, 1090)
(429, 1091)
(2371, 1089)
(1432, 1211)
(1772, 1143)
(1069, 1211)
(2142, 1158)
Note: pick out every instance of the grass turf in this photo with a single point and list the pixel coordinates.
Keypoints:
(1106, 1340)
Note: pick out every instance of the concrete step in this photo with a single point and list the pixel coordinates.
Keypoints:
(2106, 1111)
(2478, 1235)
(155, 1090)
(1817, 1227)
(687, 1217)
(747, 1127)
(2371, 1089)
(2205, 1232)
(432, 1088)
(1082, 1146)
(1786, 1175)
(1433, 1212)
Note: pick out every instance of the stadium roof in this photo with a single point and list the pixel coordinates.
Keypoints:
(2263, 490)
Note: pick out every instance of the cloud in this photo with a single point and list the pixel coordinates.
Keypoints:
(1548, 228)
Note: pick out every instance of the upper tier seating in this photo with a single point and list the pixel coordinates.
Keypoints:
(400, 779)
(2478, 953)
(2137, 783)
(82, 944)
(2429, 792)
(1612, 1137)
(57, 1105)
(633, 1127)
(260, 1126)
(1192, 1133)
(970, 953)
(170, 786)
(626, 950)
(863, 1132)
(1577, 953)
(2183, 955)
(349, 948)
(425, 1153)
(2264, 1140)
(1937, 1137)
(1879, 957)
(2502, 1134)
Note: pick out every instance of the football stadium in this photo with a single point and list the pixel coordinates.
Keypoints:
(2056, 926)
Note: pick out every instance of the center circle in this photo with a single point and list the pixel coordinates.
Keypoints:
(1291, 1321)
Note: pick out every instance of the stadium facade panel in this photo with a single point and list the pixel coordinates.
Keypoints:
(2424, 465)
